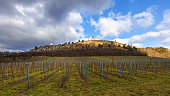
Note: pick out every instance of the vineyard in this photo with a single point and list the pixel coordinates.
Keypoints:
(55, 76)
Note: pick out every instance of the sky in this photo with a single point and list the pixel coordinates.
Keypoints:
(25, 24)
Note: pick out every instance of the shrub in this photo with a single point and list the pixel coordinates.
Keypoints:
(36, 47)
(100, 46)
(129, 47)
(161, 50)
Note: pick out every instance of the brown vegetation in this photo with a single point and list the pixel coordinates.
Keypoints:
(86, 48)
(156, 52)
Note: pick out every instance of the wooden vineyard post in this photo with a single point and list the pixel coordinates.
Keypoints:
(130, 67)
(42, 66)
(80, 67)
(120, 70)
(15, 66)
(9, 68)
(105, 67)
(60, 84)
(68, 67)
(19, 67)
(107, 71)
(102, 69)
(142, 68)
(59, 65)
(68, 64)
(55, 67)
(86, 70)
(12, 69)
(28, 74)
(123, 68)
(61, 72)
(83, 70)
(2, 69)
(7, 71)
(136, 66)
(39, 67)
(49, 65)
(97, 66)
(146, 67)
(159, 66)
(46, 71)
(23, 68)
(153, 66)
(156, 67)
(164, 66)
(114, 67)
(65, 70)
(111, 65)
(93, 66)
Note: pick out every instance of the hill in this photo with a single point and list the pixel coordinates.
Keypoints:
(87, 48)
(156, 52)
(91, 48)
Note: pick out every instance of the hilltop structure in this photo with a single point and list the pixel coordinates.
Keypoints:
(51, 43)
(92, 38)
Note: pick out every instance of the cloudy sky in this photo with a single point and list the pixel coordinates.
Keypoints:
(25, 24)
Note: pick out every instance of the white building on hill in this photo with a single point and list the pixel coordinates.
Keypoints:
(92, 38)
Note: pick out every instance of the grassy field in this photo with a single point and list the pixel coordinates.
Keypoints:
(87, 76)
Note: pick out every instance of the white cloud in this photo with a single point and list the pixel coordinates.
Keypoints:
(144, 19)
(165, 23)
(124, 41)
(101, 13)
(167, 47)
(138, 45)
(111, 14)
(139, 38)
(75, 18)
(115, 24)
(5, 20)
(110, 27)
(93, 23)
(166, 40)
(10, 50)
(162, 36)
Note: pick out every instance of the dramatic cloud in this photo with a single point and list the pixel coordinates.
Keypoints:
(27, 23)
(59, 9)
(22, 33)
(115, 24)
